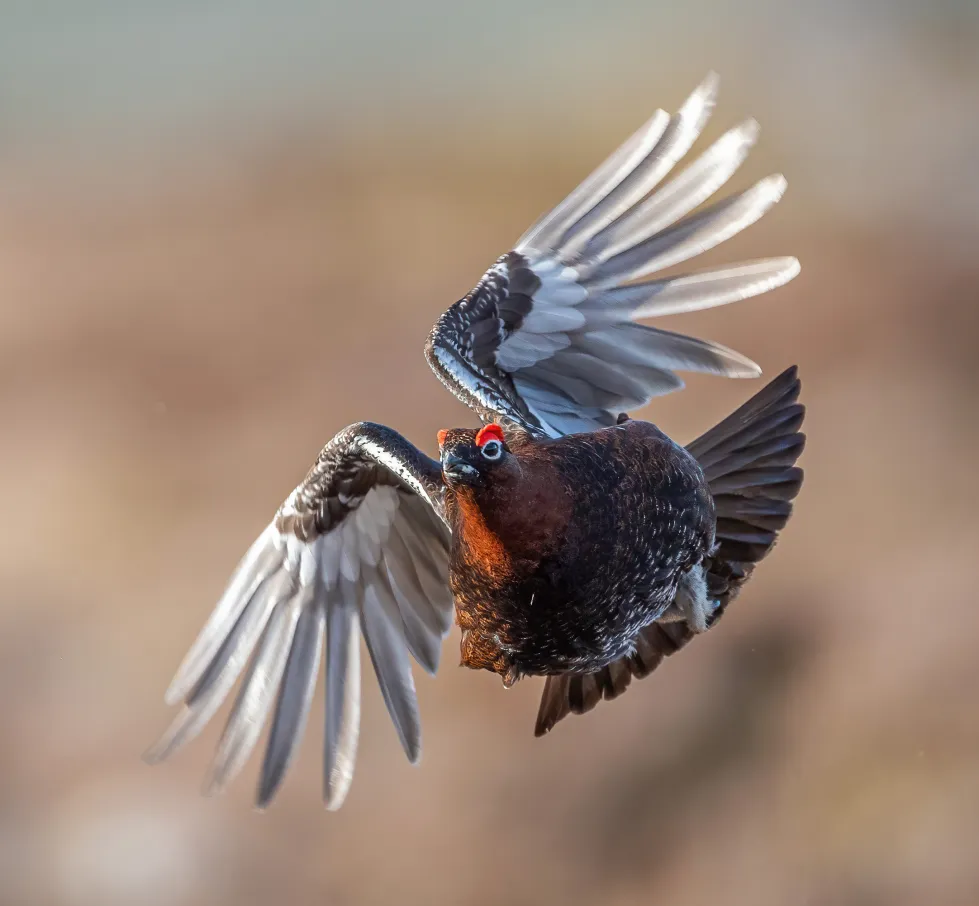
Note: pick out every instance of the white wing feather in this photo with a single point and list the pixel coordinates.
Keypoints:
(381, 570)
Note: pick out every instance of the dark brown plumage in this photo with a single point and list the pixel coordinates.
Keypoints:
(748, 462)
(563, 549)
(568, 541)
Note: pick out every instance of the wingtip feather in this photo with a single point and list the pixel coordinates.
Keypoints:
(773, 187)
(705, 94)
(169, 740)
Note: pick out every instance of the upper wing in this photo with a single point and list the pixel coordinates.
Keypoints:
(546, 339)
(359, 546)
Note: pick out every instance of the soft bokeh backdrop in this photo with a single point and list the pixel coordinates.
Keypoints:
(225, 229)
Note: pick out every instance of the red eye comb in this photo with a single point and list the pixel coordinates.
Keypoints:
(488, 433)
(441, 436)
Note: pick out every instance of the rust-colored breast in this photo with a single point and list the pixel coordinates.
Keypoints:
(484, 548)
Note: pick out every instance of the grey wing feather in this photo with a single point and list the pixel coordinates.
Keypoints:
(260, 561)
(295, 695)
(385, 637)
(342, 696)
(360, 546)
(629, 173)
(256, 697)
(216, 679)
(548, 338)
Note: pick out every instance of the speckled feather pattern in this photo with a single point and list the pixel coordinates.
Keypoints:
(462, 346)
(357, 459)
(749, 463)
(619, 515)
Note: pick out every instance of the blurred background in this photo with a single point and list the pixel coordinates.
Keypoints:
(225, 230)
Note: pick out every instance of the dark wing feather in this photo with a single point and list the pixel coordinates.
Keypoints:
(547, 338)
(578, 693)
(359, 546)
(749, 460)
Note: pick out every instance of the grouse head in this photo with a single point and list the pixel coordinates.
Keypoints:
(475, 459)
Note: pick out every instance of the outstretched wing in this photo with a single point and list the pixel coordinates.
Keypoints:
(360, 547)
(547, 338)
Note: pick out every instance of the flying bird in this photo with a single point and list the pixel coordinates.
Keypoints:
(566, 539)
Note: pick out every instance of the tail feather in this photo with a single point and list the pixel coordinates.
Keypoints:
(777, 453)
(744, 424)
(749, 462)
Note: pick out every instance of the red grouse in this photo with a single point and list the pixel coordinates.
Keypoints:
(569, 541)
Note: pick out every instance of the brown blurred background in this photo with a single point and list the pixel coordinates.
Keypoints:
(225, 230)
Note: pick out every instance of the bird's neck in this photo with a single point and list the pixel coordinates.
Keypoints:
(509, 527)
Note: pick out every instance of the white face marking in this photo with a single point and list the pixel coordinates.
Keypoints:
(492, 450)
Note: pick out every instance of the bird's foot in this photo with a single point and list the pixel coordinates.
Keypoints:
(484, 651)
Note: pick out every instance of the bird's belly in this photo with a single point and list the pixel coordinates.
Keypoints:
(562, 616)
(636, 513)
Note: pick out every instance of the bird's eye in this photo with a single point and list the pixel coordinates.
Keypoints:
(492, 450)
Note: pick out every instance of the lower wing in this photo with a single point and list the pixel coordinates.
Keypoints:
(359, 547)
